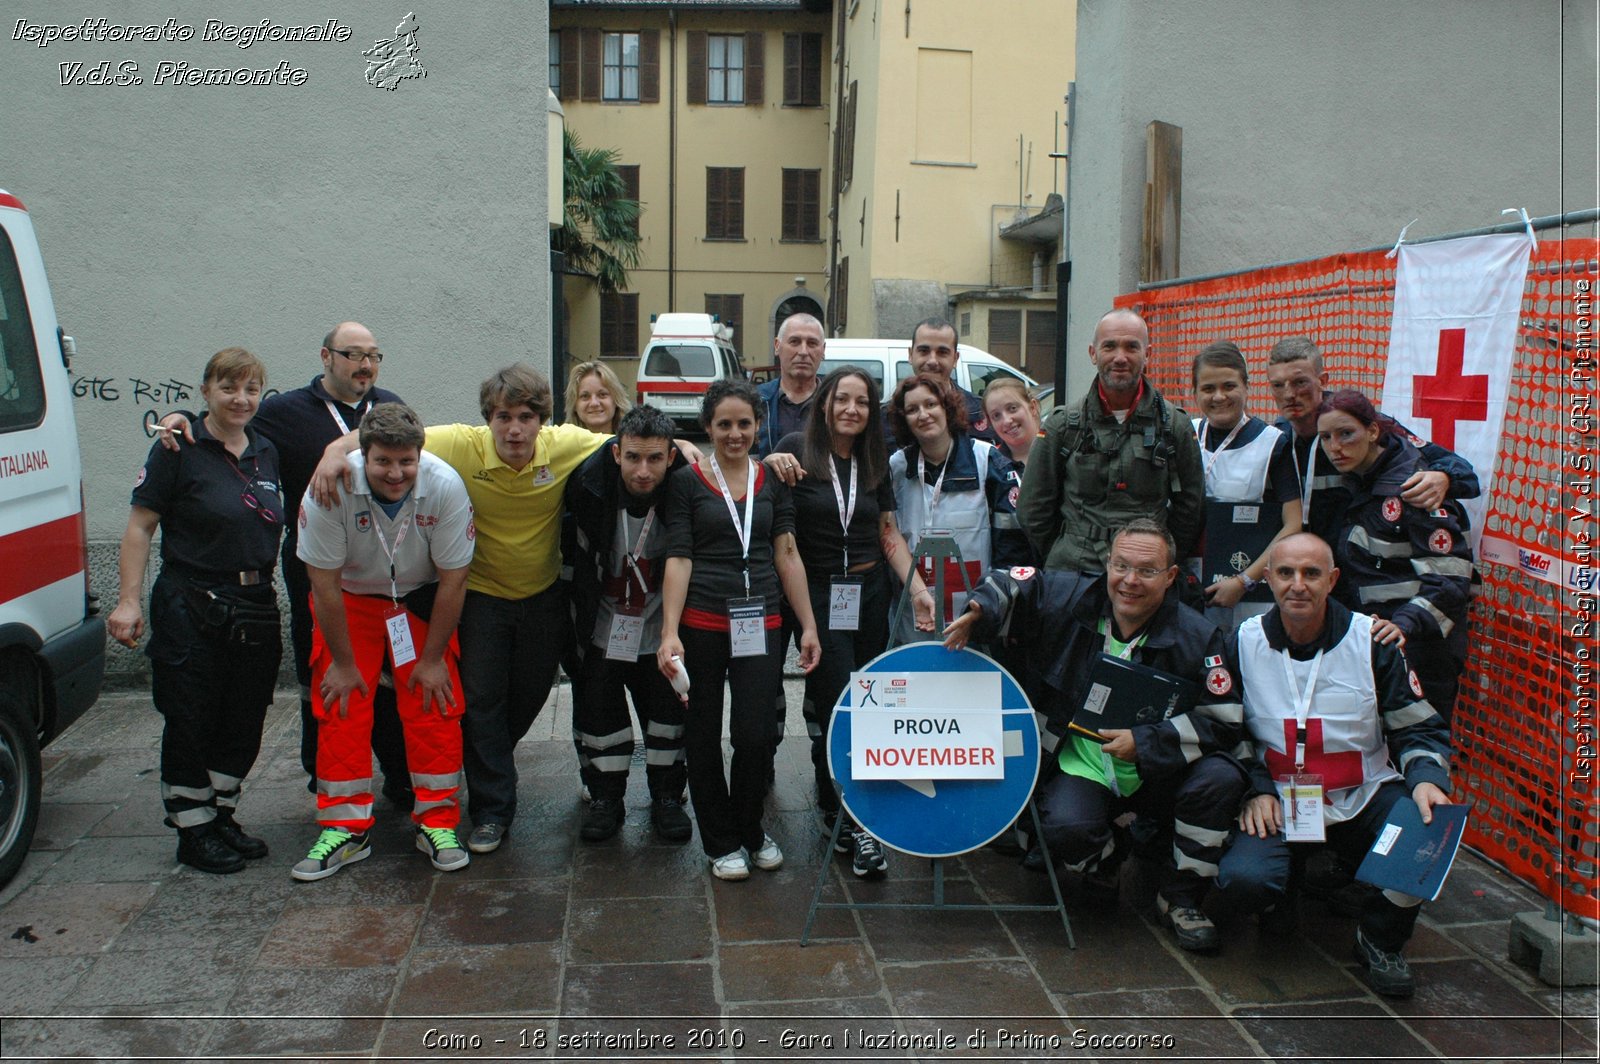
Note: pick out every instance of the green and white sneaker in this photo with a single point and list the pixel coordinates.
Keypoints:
(443, 849)
(334, 849)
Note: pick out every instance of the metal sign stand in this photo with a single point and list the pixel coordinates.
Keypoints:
(938, 547)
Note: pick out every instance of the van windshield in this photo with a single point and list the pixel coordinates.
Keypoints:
(681, 360)
(21, 381)
(872, 368)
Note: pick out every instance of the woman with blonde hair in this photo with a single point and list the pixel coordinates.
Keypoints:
(595, 398)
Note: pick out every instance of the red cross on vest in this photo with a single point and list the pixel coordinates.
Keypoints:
(1338, 771)
(1450, 395)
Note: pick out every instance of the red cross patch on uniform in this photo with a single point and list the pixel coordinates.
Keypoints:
(1023, 572)
(1441, 542)
(364, 521)
(1416, 684)
(1012, 496)
(302, 517)
(1392, 508)
(472, 529)
(1219, 681)
(140, 478)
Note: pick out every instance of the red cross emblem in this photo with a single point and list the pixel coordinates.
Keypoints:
(363, 520)
(1023, 572)
(1338, 771)
(1441, 542)
(1416, 684)
(1218, 681)
(1450, 395)
(1391, 509)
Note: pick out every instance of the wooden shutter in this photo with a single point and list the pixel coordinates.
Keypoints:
(811, 69)
(649, 66)
(630, 189)
(629, 322)
(791, 205)
(755, 79)
(1005, 336)
(791, 69)
(610, 306)
(810, 204)
(696, 74)
(716, 195)
(734, 214)
(848, 162)
(570, 43)
(593, 64)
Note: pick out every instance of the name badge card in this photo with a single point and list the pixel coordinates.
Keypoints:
(401, 649)
(1246, 515)
(747, 627)
(1302, 808)
(626, 635)
(844, 604)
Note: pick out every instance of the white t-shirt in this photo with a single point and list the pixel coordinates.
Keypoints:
(433, 530)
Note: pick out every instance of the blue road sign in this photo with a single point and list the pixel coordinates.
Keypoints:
(943, 817)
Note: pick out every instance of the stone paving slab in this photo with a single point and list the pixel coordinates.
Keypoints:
(554, 949)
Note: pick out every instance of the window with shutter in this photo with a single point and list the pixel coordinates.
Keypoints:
(724, 203)
(619, 325)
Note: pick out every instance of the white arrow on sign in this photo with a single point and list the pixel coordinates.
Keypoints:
(1012, 748)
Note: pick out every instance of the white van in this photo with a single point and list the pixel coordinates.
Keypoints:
(52, 645)
(889, 363)
(685, 354)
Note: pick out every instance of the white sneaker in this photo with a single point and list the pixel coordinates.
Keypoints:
(731, 866)
(769, 856)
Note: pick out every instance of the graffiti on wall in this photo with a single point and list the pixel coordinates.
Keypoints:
(151, 400)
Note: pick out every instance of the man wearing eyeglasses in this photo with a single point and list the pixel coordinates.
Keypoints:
(1177, 770)
(301, 424)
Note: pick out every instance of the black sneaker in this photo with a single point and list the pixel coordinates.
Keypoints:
(602, 819)
(235, 837)
(1196, 933)
(843, 844)
(201, 847)
(869, 861)
(1387, 973)
(669, 821)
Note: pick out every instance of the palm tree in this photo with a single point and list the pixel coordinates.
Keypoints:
(599, 234)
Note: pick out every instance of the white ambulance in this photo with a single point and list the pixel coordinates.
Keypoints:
(685, 354)
(52, 645)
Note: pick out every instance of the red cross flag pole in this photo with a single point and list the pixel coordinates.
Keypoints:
(1451, 346)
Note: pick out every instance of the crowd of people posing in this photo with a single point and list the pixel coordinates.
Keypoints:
(439, 576)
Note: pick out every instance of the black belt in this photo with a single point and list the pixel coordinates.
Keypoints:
(236, 578)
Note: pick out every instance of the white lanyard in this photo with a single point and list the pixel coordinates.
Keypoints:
(1128, 649)
(338, 418)
(399, 538)
(1205, 429)
(847, 511)
(733, 511)
(922, 478)
(632, 556)
(1305, 481)
(1302, 705)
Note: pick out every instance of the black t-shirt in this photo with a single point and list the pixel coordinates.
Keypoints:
(200, 492)
(301, 426)
(699, 528)
(818, 534)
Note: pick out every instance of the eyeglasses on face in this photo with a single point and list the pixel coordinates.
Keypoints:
(358, 356)
(1144, 572)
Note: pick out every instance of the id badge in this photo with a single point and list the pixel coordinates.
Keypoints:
(844, 604)
(398, 626)
(626, 635)
(1301, 795)
(1246, 515)
(747, 627)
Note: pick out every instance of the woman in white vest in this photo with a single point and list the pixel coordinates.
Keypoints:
(946, 481)
(1251, 496)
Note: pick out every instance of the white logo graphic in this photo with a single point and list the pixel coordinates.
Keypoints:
(391, 62)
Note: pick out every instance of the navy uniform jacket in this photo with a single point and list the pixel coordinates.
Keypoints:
(1055, 616)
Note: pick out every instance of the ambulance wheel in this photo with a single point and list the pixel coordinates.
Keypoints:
(20, 775)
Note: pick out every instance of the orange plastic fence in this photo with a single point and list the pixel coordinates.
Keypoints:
(1524, 724)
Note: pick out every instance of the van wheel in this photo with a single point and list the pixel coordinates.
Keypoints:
(20, 777)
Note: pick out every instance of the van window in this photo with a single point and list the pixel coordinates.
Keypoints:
(983, 374)
(681, 360)
(21, 382)
(871, 367)
(902, 370)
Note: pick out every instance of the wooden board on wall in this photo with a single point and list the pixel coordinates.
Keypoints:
(1163, 200)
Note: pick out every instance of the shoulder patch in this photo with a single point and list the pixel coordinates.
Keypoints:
(1416, 441)
(302, 521)
(143, 472)
(1392, 509)
(1441, 542)
(1011, 496)
(472, 528)
(1023, 572)
(1440, 512)
(1416, 684)
(1213, 660)
(364, 521)
(1219, 681)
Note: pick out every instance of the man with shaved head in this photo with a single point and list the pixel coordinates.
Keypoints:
(1121, 452)
(1332, 712)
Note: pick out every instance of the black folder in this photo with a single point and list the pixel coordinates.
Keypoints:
(1124, 694)
(1231, 545)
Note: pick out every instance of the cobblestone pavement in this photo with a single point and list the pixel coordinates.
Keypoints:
(545, 948)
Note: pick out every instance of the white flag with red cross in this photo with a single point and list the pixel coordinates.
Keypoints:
(1451, 346)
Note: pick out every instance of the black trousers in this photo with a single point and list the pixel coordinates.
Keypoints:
(603, 732)
(213, 696)
(842, 652)
(388, 739)
(727, 806)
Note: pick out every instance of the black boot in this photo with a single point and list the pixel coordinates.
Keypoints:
(201, 847)
(234, 837)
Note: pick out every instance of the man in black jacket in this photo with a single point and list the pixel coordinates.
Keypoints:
(1174, 770)
(614, 548)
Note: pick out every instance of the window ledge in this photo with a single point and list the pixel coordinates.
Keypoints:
(935, 162)
(724, 240)
(817, 240)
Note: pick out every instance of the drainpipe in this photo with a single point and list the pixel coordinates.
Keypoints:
(672, 160)
(838, 118)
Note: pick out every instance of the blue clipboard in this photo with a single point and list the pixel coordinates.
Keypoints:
(1412, 857)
